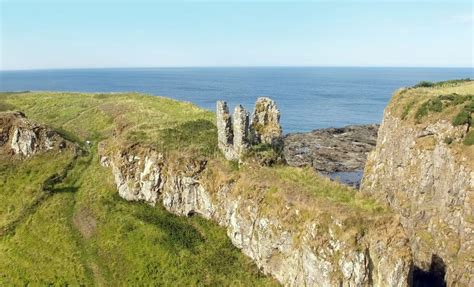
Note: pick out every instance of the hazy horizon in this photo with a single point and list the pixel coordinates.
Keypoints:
(231, 67)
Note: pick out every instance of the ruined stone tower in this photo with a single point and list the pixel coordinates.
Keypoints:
(235, 134)
(265, 127)
(225, 135)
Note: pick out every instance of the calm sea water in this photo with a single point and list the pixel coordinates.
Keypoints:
(308, 98)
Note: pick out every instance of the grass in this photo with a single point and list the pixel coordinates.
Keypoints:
(164, 123)
(82, 232)
(130, 243)
(469, 138)
(323, 189)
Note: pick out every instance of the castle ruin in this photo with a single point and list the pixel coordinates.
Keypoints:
(236, 134)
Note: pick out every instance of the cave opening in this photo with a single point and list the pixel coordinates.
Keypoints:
(434, 277)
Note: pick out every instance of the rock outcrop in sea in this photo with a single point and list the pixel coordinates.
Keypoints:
(338, 152)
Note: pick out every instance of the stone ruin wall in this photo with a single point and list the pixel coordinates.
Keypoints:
(236, 133)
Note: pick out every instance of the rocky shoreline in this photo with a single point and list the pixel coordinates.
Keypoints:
(339, 153)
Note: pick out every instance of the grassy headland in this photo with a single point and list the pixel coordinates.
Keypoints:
(80, 231)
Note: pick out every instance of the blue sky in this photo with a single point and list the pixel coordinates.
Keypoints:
(94, 34)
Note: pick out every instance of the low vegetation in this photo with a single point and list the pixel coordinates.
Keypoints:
(429, 102)
(428, 84)
(469, 139)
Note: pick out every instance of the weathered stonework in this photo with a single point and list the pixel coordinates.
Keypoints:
(265, 127)
(225, 131)
(237, 134)
(241, 129)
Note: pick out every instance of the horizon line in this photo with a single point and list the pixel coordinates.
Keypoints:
(211, 67)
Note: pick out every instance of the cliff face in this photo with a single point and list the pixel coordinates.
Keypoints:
(289, 234)
(424, 171)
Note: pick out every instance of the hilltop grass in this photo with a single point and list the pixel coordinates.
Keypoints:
(161, 122)
(427, 103)
(449, 83)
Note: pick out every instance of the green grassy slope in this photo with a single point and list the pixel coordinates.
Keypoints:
(79, 231)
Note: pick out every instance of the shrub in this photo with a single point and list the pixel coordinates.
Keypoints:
(469, 139)
(434, 105)
(451, 82)
(461, 118)
(448, 140)
(428, 84)
(424, 84)
(469, 107)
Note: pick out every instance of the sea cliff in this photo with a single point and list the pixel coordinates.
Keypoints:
(422, 167)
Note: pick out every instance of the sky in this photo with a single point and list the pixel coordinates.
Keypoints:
(104, 33)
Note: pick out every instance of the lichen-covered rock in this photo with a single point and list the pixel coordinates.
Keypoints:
(236, 136)
(265, 126)
(328, 249)
(225, 136)
(241, 130)
(429, 181)
(138, 174)
(20, 136)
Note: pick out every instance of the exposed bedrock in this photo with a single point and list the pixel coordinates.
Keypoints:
(323, 248)
(22, 137)
(430, 183)
(333, 151)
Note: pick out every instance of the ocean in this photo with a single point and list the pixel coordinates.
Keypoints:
(308, 97)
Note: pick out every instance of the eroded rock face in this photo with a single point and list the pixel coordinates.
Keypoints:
(430, 183)
(265, 127)
(137, 174)
(19, 136)
(294, 254)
